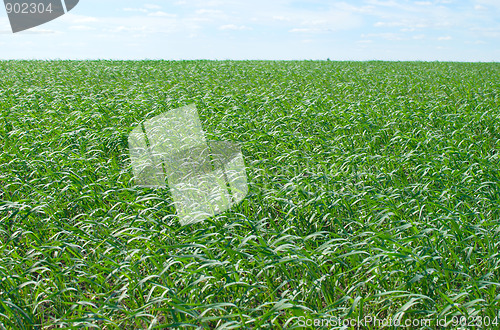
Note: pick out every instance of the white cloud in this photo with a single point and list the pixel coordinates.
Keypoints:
(38, 31)
(489, 32)
(389, 3)
(408, 24)
(144, 26)
(489, 3)
(388, 24)
(234, 27)
(78, 19)
(208, 11)
(142, 10)
(125, 28)
(387, 36)
(201, 3)
(282, 18)
(445, 38)
(81, 28)
(161, 14)
(476, 42)
(150, 6)
(320, 22)
(307, 30)
(345, 7)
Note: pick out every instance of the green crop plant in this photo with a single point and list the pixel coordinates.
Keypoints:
(374, 190)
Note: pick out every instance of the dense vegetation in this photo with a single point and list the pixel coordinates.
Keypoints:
(374, 190)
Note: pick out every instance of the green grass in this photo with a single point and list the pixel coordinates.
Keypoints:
(374, 190)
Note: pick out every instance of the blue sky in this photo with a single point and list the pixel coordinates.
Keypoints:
(443, 30)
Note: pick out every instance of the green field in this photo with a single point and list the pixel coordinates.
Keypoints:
(374, 190)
